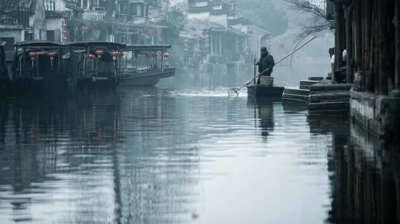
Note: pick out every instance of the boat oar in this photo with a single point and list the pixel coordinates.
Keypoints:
(237, 89)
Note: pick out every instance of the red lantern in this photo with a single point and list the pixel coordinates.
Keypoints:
(32, 54)
(91, 56)
(51, 53)
(115, 53)
(166, 55)
(99, 53)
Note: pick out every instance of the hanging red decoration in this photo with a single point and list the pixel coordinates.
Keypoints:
(51, 53)
(99, 52)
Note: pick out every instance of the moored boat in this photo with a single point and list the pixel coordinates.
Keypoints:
(37, 66)
(145, 65)
(94, 64)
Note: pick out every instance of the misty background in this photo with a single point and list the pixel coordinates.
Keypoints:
(284, 24)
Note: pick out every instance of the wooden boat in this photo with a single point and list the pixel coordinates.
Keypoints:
(94, 64)
(265, 88)
(145, 65)
(258, 91)
(37, 66)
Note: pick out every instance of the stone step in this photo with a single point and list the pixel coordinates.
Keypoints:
(329, 106)
(305, 84)
(315, 78)
(330, 87)
(295, 95)
(338, 96)
(296, 91)
(296, 98)
(328, 113)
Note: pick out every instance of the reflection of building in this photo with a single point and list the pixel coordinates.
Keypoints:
(364, 178)
(366, 185)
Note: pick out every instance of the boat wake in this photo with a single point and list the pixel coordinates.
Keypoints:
(219, 92)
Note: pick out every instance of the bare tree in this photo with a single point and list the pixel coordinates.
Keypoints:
(318, 22)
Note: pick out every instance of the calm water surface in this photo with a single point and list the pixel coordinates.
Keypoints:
(162, 156)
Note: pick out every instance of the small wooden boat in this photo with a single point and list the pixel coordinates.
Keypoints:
(264, 88)
(145, 65)
(264, 91)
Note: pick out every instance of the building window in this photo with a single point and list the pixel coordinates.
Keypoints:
(50, 35)
(137, 10)
(28, 35)
(85, 4)
(50, 5)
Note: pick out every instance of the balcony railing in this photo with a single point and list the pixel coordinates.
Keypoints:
(94, 15)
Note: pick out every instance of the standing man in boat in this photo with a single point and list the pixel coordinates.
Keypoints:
(265, 64)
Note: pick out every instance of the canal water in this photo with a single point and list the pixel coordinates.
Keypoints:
(176, 156)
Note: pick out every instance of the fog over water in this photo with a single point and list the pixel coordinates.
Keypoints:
(312, 60)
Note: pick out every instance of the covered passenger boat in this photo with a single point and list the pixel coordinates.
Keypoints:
(94, 64)
(37, 65)
(145, 65)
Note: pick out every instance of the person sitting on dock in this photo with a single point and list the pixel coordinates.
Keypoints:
(265, 64)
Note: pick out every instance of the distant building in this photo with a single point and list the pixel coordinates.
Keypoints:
(127, 21)
(14, 21)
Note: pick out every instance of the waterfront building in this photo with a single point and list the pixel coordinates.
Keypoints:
(369, 32)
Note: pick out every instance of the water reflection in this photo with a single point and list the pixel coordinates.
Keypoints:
(160, 156)
(364, 174)
(264, 114)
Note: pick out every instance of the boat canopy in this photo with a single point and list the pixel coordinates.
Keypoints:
(37, 44)
(141, 47)
(96, 44)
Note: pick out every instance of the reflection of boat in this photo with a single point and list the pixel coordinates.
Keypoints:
(264, 113)
(145, 65)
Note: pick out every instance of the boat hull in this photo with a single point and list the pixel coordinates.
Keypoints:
(147, 79)
(260, 91)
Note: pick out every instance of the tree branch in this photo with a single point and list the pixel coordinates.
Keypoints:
(320, 22)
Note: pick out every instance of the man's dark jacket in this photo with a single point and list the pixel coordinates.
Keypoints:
(266, 64)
